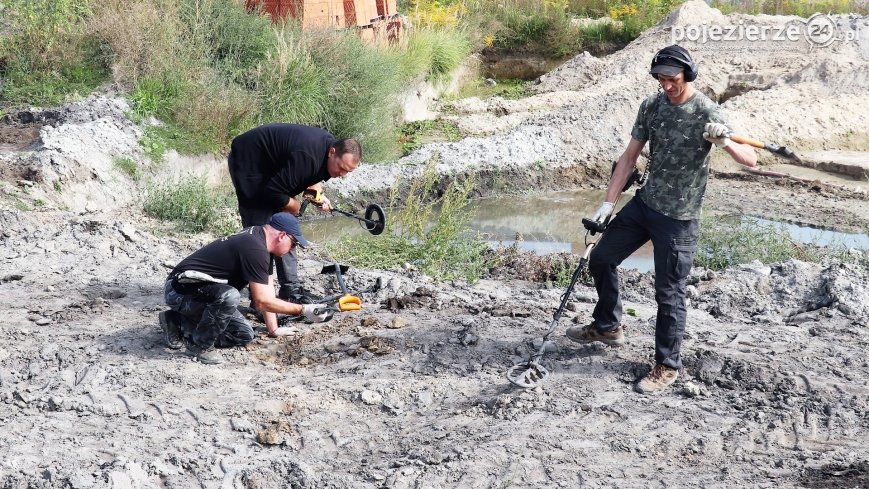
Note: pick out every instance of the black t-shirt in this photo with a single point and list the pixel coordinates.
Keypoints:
(239, 258)
(271, 163)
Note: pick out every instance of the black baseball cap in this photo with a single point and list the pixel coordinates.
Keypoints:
(286, 222)
(670, 61)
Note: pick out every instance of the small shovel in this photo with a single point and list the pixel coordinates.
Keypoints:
(782, 151)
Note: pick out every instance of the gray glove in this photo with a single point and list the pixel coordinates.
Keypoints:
(311, 316)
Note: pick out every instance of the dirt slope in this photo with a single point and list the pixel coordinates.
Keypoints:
(410, 392)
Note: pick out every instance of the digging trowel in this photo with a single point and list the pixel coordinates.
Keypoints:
(782, 151)
(346, 302)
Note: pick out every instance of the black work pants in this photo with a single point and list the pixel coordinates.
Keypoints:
(674, 242)
(210, 312)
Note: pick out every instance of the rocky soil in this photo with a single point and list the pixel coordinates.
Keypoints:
(411, 391)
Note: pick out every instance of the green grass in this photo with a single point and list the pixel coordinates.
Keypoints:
(430, 235)
(47, 53)
(128, 166)
(415, 134)
(802, 8)
(729, 240)
(507, 88)
(193, 204)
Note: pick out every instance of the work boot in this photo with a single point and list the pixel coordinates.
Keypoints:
(207, 356)
(657, 380)
(170, 323)
(589, 334)
(297, 294)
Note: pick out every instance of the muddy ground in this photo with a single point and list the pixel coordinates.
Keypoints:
(411, 391)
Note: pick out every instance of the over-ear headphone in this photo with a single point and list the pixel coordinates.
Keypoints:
(680, 55)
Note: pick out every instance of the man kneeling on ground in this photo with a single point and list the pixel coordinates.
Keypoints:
(203, 290)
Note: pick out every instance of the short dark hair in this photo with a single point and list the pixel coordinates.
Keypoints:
(349, 145)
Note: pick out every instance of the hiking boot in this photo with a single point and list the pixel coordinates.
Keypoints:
(170, 323)
(657, 380)
(297, 294)
(590, 334)
(207, 356)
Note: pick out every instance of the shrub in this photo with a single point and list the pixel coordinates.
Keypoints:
(47, 53)
(731, 239)
(636, 17)
(193, 204)
(428, 234)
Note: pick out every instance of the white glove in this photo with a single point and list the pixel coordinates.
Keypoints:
(716, 133)
(283, 331)
(308, 310)
(605, 210)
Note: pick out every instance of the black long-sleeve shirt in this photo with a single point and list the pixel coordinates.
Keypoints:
(271, 163)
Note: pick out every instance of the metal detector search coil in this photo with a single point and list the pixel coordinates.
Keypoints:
(531, 373)
(374, 221)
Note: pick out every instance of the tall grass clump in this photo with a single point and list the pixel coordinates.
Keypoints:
(430, 235)
(528, 26)
(363, 80)
(193, 204)
(47, 52)
(434, 52)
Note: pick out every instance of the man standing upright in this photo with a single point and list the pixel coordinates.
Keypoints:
(681, 125)
(271, 165)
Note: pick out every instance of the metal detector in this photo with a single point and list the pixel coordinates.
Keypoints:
(531, 373)
(374, 221)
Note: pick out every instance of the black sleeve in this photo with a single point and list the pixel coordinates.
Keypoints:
(277, 192)
(297, 175)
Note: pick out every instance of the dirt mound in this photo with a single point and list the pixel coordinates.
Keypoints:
(73, 154)
(584, 109)
(791, 292)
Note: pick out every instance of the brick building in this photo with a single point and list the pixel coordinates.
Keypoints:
(374, 19)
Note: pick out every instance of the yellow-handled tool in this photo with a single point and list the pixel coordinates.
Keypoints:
(782, 151)
(349, 303)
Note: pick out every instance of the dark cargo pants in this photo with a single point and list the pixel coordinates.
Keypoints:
(211, 314)
(674, 242)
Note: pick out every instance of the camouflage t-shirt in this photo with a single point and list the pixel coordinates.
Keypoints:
(679, 156)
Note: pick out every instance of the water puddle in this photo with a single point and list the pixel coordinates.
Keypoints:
(819, 237)
(552, 223)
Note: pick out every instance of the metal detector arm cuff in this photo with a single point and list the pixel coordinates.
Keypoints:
(623, 169)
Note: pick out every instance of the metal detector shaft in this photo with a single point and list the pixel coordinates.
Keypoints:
(566, 296)
(348, 214)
